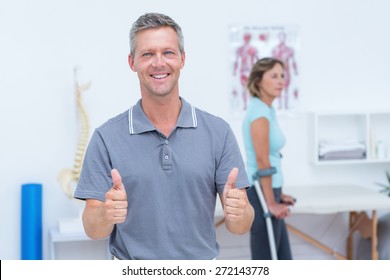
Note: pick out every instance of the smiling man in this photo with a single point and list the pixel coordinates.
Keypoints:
(151, 174)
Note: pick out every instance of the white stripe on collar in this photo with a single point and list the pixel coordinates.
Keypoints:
(131, 128)
(194, 119)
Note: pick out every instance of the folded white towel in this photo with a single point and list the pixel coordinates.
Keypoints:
(337, 146)
(344, 155)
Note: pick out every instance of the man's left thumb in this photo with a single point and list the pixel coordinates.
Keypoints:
(232, 178)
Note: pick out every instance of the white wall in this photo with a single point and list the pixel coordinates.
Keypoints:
(343, 60)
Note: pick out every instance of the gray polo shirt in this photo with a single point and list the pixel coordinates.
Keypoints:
(171, 183)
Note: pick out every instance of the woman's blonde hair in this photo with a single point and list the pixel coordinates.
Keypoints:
(257, 73)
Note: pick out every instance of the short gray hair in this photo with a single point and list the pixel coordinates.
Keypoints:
(154, 20)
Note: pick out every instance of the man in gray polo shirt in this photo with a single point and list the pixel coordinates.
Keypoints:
(151, 175)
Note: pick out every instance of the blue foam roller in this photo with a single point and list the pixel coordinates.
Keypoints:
(31, 227)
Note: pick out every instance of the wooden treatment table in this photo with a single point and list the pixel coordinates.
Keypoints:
(355, 200)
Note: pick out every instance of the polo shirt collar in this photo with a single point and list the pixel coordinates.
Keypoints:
(139, 122)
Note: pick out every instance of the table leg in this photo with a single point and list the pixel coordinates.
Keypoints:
(219, 222)
(315, 242)
(374, 238)
(352, 220)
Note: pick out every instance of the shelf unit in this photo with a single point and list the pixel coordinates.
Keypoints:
(366, 127)
(77, 246)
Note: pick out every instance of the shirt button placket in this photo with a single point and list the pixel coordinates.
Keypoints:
(166, 155)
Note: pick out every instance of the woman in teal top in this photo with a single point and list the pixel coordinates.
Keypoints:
(263, 141)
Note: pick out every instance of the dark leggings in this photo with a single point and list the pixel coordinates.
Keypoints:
(259, 243)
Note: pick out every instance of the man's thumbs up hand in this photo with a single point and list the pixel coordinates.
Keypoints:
(235, 200)
(116, 200)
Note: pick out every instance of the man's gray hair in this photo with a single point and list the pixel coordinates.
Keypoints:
(154, 20)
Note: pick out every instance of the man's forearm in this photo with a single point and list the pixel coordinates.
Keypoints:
(95, 224)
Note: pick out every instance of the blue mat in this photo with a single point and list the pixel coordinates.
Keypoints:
(31, 222)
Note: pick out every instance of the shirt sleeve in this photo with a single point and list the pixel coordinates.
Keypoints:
(261, 112)
(95, 178)
(231, 157)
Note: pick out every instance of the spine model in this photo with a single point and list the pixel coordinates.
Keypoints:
(69, 176)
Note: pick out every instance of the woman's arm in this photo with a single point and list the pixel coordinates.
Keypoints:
(260, 138)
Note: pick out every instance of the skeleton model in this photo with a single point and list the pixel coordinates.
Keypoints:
(68, 176)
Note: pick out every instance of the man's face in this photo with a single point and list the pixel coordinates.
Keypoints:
(157, 61)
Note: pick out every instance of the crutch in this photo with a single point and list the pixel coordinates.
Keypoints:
(267, 215)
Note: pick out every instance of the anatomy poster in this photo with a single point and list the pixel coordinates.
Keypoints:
(250, 43)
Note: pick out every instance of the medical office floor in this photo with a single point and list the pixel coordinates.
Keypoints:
(236, 247)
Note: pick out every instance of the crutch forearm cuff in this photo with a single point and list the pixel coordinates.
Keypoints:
(264, 173)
